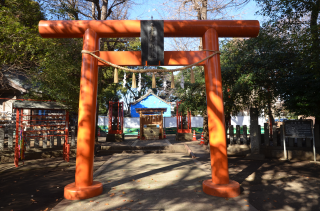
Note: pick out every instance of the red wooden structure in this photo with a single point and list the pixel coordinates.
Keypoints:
(53, 122)
(115, 117)
(183, 122)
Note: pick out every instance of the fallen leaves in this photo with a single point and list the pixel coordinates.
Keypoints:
(112, 194)
(107, 204)
(91, 201)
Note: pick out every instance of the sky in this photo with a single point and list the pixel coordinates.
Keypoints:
(148, 8)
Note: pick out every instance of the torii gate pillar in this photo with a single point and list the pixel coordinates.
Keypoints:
(84, 186)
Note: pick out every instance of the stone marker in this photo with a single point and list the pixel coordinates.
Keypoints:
(238, 134)
(266, 134)
(1, 138)
(10, 137)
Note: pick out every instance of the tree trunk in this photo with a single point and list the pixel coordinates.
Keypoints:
(205, 128)
(315, 33)
(104, 10)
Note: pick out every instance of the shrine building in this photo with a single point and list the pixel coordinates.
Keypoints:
(150, 100)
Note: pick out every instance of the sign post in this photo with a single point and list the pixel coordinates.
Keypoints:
(298, 129)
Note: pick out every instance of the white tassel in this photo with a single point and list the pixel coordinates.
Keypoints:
(124, 79)
(164, 84)
(182, 81)
(139, 83)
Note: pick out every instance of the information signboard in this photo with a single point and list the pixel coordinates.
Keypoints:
(298, 129)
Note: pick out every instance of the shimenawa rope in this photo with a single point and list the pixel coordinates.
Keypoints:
(149, 70)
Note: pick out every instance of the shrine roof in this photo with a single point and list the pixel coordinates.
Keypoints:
(150, 110)
(149, 92)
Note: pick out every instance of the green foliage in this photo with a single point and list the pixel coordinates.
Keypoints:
(20, 43)
(193, 95)
(58, 75)
(299, 82)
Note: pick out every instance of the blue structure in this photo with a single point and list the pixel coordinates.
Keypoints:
(150, 100)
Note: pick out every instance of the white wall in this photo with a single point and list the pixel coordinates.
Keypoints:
(131, 122)
(245, 120)
(134, 122)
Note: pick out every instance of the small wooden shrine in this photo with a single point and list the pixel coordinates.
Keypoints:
(40, 120)
(151, 117)
(115, 130)
(184, 131)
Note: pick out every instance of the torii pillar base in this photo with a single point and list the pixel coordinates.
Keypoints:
(230, 190)
(72, 192)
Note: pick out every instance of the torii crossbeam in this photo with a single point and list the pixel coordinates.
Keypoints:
(91, 31)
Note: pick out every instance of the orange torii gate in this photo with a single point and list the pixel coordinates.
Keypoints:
(91, 31)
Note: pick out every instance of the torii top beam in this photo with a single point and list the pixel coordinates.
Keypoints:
(131, 28)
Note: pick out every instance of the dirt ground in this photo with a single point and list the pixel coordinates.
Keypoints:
(38, 185)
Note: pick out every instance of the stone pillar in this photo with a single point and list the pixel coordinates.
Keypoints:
(254, 131)
(231, 135)
(36, 142)
(281, 136)
(44, 140)
(291, 142)
(10, 137)
(309, 142)
(259, 135)
(238, 134)
(58, 141)
(299, 144)
(274, 135)
(73, 135)
(316, 135)
(1, 138)
(244, 135)
(51, 138)
(266, 134)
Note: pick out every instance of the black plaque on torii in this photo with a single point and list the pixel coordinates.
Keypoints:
(152, 42)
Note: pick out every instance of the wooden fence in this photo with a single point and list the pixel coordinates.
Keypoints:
(8, 139)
